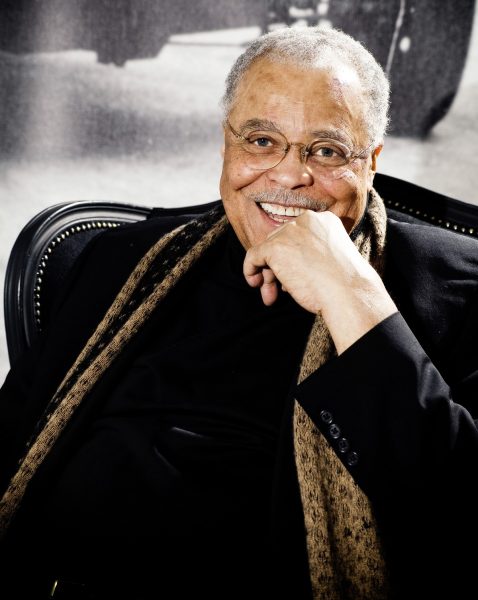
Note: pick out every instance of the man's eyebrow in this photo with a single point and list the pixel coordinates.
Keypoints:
(332, 134)
(267, 125)
(263, 124)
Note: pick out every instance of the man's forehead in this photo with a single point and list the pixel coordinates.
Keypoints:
(344, 75)
(268, 81)
(272, 71)
(327, 92)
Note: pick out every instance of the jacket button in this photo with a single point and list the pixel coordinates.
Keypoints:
(334, 431)
(326, 416)
(352, 459)
(343, 445)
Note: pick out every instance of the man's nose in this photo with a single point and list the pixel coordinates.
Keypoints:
(292, 171)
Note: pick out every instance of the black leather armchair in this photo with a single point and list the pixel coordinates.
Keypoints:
(46, 249)
(51, 241)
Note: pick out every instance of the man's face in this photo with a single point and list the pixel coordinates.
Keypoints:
(303, 105)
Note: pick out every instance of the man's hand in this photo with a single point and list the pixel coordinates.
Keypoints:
(314, 260)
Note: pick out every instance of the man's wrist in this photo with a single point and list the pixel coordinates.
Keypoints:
(354, 312)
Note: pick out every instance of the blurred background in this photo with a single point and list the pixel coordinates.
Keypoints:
(119, 99)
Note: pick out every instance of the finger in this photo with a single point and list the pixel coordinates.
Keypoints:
(269, 293)
(256, 280)
(269, 288)
(253, 266)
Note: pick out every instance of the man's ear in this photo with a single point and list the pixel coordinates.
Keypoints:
(373, 165)
(375, 154)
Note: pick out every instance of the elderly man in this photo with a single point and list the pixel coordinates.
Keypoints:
(236, 406)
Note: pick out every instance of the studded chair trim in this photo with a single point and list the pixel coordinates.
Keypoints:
(69, 225)
(52, 247)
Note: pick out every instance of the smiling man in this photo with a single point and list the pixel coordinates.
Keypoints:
(322, 105)
(273, 400)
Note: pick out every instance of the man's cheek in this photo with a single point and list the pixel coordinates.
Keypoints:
(240, 175)
(340, 186)
(337, 178)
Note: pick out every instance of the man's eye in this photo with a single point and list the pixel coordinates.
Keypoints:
(261, 142)
(328, 154)
(325, 152)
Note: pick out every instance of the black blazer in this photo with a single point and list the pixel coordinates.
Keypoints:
(403, 398)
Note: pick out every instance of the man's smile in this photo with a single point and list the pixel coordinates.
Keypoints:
(280, 206)
(279, 213)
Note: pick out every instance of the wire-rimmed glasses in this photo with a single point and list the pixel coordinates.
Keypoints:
(266, 148)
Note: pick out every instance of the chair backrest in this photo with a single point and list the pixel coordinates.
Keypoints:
(48, 245)
(406, 201)
(45, 251)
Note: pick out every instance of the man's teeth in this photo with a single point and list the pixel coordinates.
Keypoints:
(281, 211)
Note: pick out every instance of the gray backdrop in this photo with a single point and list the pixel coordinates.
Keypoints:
(119, 99)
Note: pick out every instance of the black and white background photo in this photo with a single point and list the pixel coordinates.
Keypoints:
(119, 99)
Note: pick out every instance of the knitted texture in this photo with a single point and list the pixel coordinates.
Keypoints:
(345, 555)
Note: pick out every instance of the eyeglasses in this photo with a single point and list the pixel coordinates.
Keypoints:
(265, 149)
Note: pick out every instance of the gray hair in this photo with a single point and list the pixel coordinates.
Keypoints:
(318, 47)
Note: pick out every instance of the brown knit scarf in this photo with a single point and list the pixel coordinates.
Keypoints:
(345, 556)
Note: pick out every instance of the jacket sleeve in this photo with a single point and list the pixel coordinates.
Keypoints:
(389, 414)
(410, 443)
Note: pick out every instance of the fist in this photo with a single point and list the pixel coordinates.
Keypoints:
(311, 257)
(315, 261)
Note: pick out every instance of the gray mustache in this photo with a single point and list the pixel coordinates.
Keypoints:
(289, 198)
